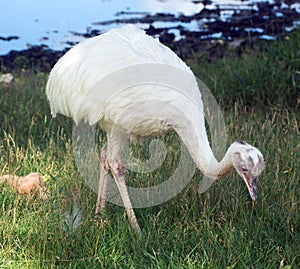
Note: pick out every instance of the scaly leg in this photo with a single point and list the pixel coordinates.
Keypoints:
(104, 170)
(118, 171)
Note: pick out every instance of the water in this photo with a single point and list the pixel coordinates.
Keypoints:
(53, 22)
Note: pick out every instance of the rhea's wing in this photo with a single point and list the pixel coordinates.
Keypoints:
(89, 73)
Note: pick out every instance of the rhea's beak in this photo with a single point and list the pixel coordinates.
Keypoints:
(251, 183)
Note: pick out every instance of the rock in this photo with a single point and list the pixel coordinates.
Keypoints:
(9, 38)
(6, 78)
(35, 58)
(30, 185)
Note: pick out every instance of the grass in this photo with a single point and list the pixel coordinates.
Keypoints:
(221, 228)
(265, 75)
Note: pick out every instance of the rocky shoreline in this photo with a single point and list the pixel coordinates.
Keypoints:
(245, 27)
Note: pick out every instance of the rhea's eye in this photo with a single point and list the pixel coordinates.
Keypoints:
(244, 169)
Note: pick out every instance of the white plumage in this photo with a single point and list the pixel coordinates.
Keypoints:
(94, 59)
(134, 86)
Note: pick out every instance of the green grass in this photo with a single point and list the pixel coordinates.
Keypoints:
(221, 228)
(263, 76)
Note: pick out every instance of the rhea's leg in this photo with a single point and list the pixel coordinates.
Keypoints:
(118, 172)
(104, 170)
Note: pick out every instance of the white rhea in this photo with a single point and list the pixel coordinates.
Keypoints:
(78, 88)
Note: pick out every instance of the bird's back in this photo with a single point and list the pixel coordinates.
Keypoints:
(71, 85)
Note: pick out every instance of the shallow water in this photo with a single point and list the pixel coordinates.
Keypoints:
(54, 22)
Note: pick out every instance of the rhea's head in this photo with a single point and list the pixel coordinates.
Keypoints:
(249, 164)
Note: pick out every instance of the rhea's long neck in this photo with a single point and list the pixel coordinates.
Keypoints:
(189, 123)
(215, 169)
(201, 152)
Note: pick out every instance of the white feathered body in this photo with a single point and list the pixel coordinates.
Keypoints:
(93, 82)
